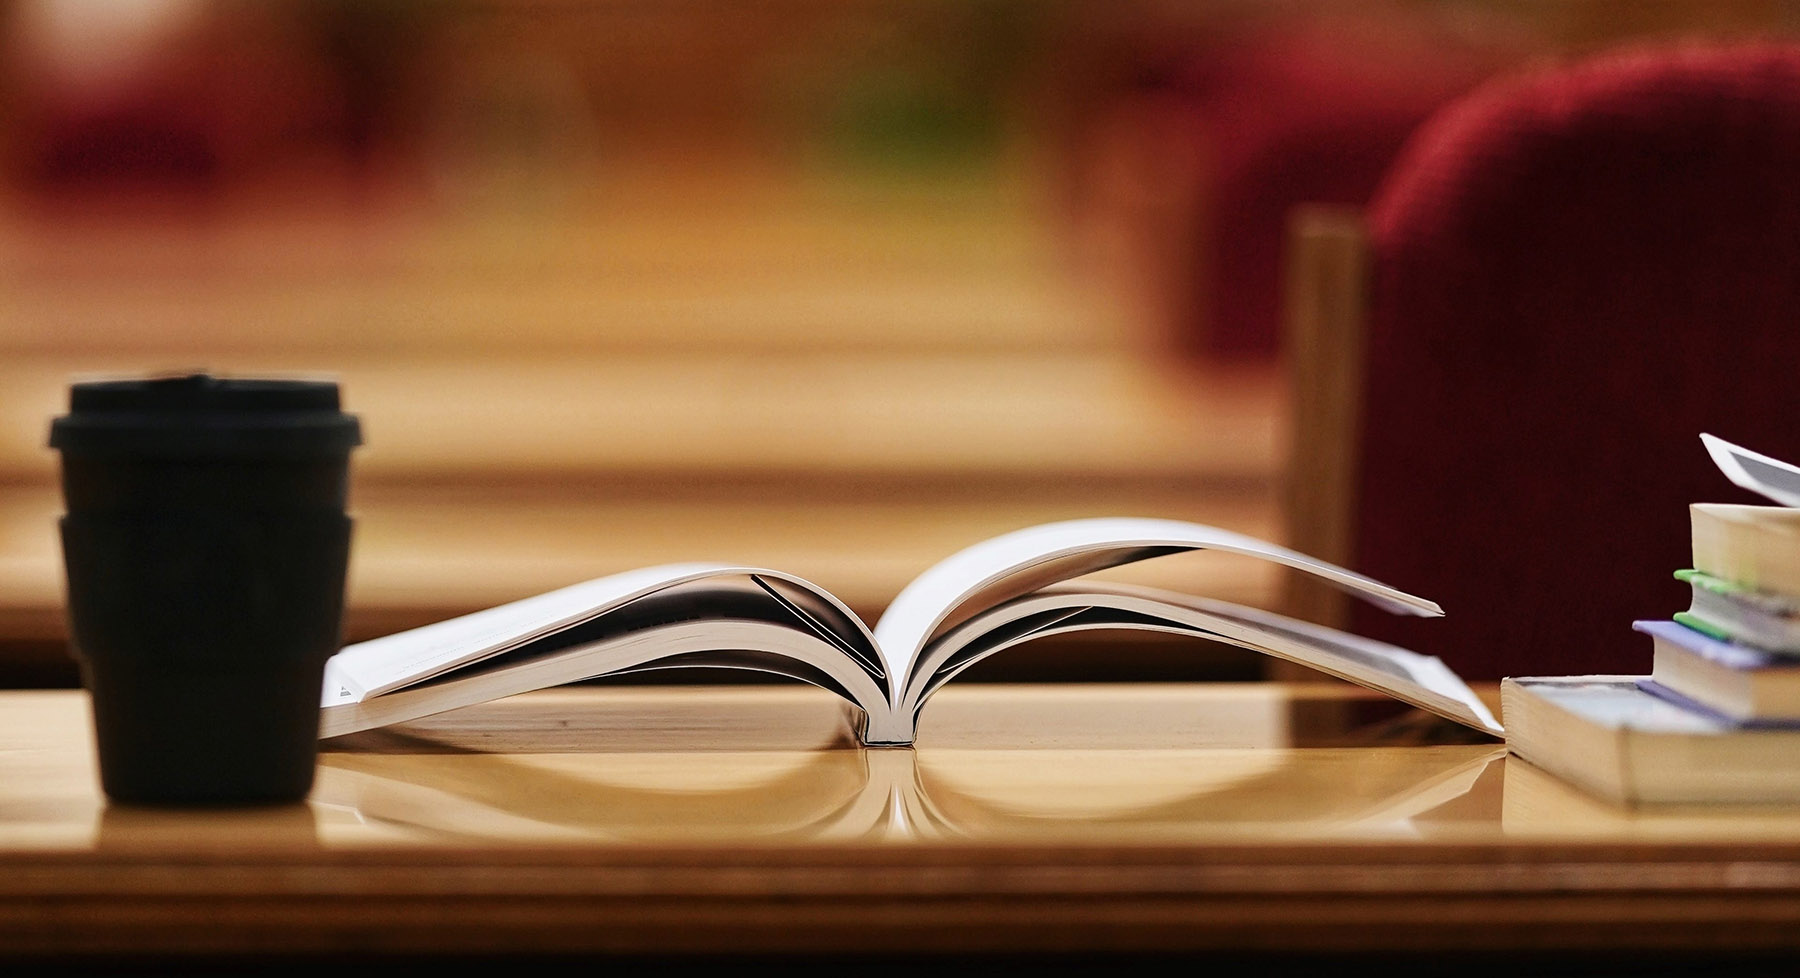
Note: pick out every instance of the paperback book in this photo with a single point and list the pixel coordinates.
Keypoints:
(1614, 738)
(1729, 612)
(991, 597)
(1739, 683)
(1755, 547)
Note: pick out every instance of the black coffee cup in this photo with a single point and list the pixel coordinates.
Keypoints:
(205, 546)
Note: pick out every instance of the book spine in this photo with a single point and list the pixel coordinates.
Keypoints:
(884, 728)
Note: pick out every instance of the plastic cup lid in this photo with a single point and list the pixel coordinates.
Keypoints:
(199, 414)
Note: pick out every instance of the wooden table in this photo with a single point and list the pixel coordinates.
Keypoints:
(1121, 819)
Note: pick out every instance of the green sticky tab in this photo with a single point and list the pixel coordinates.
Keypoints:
(1708, 582)
(1702, 626)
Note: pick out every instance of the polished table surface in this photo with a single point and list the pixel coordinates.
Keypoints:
(740, 818)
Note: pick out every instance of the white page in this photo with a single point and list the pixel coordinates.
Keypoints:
(770, 647)
(380, 664)
(1769, 477)
(1411, 677)
(1014, 563)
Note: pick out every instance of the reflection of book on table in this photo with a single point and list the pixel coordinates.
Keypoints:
(987, 598)
(1259, 791)
(644, 764)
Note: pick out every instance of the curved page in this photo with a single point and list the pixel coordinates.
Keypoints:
(780, 648)
(1759, 473)
(1411, 677)
(390, 662)
(1015, 563)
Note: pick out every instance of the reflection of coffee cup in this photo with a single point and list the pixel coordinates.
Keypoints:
(205, 546)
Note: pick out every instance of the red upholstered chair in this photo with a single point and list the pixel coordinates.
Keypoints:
(1306, 109)
(1569, 275)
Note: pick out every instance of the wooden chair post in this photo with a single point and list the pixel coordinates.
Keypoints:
(1325, 319)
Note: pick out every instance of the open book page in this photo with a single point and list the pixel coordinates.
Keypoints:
(689, 615)
(1756, 472)
(1016, 563)
(774, 646)
(390, 662)
(1411, 677)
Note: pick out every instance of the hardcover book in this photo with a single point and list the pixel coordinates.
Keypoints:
(988, 598)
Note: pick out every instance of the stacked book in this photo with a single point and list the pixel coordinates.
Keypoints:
(1716, 718)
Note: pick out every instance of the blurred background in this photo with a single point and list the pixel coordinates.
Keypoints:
(834, 287)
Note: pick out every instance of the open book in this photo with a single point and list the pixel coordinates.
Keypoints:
(985, 599)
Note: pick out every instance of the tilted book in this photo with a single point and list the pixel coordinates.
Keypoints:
(990, 597)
